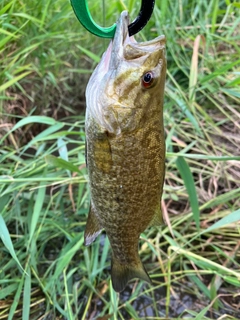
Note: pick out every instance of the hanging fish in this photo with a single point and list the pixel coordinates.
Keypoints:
(125, 148)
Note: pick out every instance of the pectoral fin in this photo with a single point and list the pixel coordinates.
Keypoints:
(92, 229)
(122, 273)
(157, 219)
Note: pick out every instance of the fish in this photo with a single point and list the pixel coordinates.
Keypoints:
(125, 148)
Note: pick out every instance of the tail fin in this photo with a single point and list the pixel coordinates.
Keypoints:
(121, 274)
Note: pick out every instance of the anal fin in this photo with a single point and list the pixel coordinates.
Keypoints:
(93, 228)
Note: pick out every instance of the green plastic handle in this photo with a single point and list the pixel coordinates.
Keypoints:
(81, 10)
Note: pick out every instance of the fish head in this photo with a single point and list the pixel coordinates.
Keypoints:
(128, 83)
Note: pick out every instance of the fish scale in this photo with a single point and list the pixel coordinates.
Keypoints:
(125, 148)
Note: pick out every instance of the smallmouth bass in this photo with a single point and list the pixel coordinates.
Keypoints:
(125, 148)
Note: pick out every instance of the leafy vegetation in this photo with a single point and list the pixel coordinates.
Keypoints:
(194, 260)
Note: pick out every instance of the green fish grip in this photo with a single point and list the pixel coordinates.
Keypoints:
(81, 10)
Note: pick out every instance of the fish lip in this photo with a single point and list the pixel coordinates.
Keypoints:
(115, 49)
(120, 38)
(145, 47)
(159, 42)
(122, 41)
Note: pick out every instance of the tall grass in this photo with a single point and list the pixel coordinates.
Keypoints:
(45, 271)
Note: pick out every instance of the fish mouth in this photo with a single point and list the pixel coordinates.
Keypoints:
(125, 47)
(120, 38)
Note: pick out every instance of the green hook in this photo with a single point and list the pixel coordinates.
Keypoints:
(81, 10)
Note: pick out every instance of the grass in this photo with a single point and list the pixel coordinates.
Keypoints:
(194, 261)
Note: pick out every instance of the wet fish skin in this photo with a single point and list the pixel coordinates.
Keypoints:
(125, 148)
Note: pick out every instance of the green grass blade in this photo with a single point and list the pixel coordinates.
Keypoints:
(6, 239)
(67, 254)
(16, 298)
(62, 149)
(34, 119)
(219, 71)
(202, 156)
(60, 163)
(231, 218)
(13, 81)
(214, 15)
(44, 135)
(184, 108)
(202, 313)
(26, 295)
(37, 211)
(9, 290)
(187, 177)
(91, 55)
(6, 7)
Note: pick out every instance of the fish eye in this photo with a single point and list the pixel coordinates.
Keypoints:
(147, 79)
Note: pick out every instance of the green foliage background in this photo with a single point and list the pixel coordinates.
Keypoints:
(46, 59)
